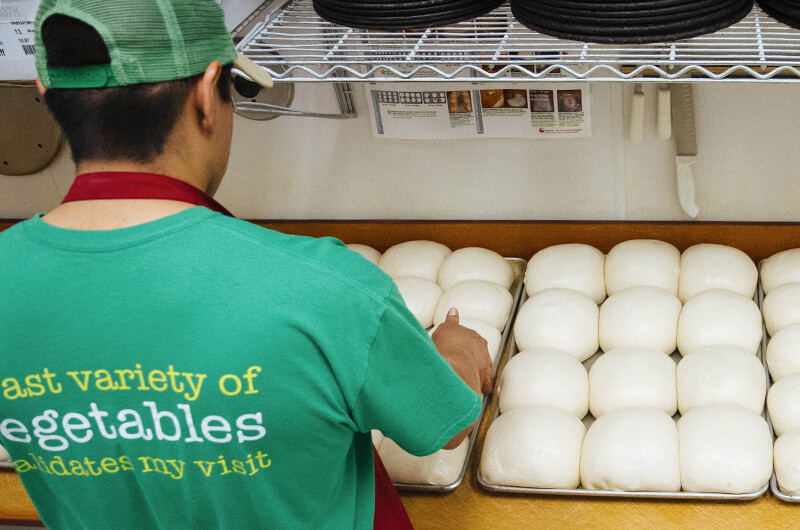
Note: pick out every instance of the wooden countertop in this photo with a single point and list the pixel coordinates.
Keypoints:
(470, 506)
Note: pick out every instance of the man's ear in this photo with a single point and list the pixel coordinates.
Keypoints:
(206, 95)
(40, 87)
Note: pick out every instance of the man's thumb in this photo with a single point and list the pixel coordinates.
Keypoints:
(452, 315)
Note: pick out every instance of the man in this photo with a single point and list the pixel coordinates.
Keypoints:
(167, 366)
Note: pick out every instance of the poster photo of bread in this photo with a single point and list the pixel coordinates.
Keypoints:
(542, 101)
(569, 101)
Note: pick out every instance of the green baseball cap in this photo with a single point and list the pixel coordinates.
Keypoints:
(148, 41)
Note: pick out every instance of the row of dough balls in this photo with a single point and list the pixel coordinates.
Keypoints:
(780, 281)
(431, 279)
(638, 316)
(627, 377)
(713, 448)
(585, 269)
(441, 468)
(783, 404)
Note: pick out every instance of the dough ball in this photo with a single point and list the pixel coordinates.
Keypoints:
(631, 449)
(475, 263)
(414, 258)
(780, 269)
(721, 374)
(480, 299)
(709, 266)
(484, 329)
(783, 404)
(441, 468)
(643, 262)
(365, 250)
(571, 266)
(787, 462)
(4, 456)
(534, 447)
(782, 307)
(783, 352)
(377, 438)
(719, 316)
(632, 377)
(724, 449)
(558, 318)
(640, 316)
(420, 296)
(544, 376)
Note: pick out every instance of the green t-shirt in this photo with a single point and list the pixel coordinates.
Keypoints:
(201, 371)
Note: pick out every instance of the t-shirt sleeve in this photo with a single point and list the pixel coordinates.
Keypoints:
(411, 393)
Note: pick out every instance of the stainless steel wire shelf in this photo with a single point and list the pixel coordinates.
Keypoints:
(294, 44)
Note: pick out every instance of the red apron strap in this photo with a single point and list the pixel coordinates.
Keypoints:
(390, 514)
(134, 185)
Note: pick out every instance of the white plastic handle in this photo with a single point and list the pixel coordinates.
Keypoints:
(253, 71)
(637, 117)
(664, 113)
(686, 184)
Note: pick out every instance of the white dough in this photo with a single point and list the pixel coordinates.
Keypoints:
(787, 462)
(535, 447)
(631, 449)
(724, 449)
(719, 316)
(414, 258)
(377, 438)
(632, 377)
(783, 404)
(367, 251)
(544, 376)
(640, 316)
(643, 262)
(476, 299)
(570, 266)
(783, 352)
(441, 468)
(782, 307)
(489, 333)
(780, 269)
(4, 456)
(709, 266)
(559, 318)
(420, 296)
(721, 374)
(473, 263)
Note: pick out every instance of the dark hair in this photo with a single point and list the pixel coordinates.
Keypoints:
(128, 122)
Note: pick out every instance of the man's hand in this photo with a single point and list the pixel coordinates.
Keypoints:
(467, 353)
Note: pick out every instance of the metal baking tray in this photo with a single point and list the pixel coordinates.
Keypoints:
(669, 495)
(518, 267)
(773, 482)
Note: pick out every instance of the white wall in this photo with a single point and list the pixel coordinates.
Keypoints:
(295, 168)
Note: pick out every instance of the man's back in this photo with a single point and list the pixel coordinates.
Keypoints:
(202, 371)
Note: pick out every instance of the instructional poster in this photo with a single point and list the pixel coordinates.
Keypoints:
(16, 39)
(414, 111)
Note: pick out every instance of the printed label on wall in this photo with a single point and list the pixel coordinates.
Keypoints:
(16, 39)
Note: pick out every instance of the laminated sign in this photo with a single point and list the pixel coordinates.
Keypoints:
(425, 111)
(16, 40)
